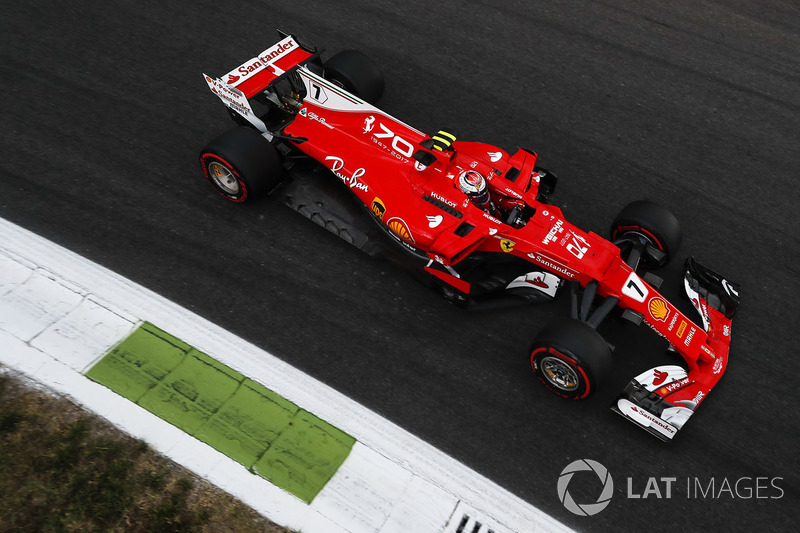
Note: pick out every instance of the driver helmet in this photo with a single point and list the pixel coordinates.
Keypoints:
(473, 184)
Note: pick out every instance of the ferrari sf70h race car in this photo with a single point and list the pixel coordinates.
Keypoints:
(470, 218)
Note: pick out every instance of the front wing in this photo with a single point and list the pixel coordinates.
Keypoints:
(663, 399)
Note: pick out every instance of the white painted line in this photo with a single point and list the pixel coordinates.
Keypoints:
(391, 482)
(421, 508)
(30, 307)
(20, 356)
(13, 273)
(79, 346)
(350, 497)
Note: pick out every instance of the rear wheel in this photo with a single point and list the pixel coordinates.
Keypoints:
(356, 73)
(570, 358)
(241, 164)
(649, 222)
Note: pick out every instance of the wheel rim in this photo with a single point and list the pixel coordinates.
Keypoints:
(224, 178)
(559, 373)
(643, 235)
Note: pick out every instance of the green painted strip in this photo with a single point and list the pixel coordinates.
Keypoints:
(306, 454)
(249, 423)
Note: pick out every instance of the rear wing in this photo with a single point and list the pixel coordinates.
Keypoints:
(256, 74)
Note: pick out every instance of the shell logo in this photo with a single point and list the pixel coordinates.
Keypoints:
(399, 228)
(659, 309)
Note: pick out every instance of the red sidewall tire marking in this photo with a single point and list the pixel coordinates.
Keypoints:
(571, 362)
(638, 228)
(203, 162)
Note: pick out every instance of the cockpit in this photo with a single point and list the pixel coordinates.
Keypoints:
(506, 187)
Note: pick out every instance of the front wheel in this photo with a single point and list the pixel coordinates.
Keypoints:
(570, 358)
(241, 164)
(652, 223)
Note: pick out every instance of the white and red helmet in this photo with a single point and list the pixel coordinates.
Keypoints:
(473, 184)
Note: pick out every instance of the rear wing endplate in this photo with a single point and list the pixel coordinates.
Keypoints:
(235, 100)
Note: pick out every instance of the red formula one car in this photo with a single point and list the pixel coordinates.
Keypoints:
(471, 219)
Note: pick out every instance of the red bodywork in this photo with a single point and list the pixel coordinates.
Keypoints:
(373, 154)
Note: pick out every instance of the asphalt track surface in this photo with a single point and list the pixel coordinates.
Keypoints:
(695, 104)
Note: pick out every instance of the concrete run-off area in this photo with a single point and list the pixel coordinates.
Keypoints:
(289, 446)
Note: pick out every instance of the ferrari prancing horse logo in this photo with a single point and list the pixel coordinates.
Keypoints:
(506, 245)
(368, 124)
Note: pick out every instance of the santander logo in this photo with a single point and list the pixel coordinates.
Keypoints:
(271, 54)
(262, 61)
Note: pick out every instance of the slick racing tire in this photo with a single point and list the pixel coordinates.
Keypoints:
(570, 358)
(356, 73)
(652, 222)
(241, 165)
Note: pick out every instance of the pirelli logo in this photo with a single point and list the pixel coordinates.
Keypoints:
(681, 329)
